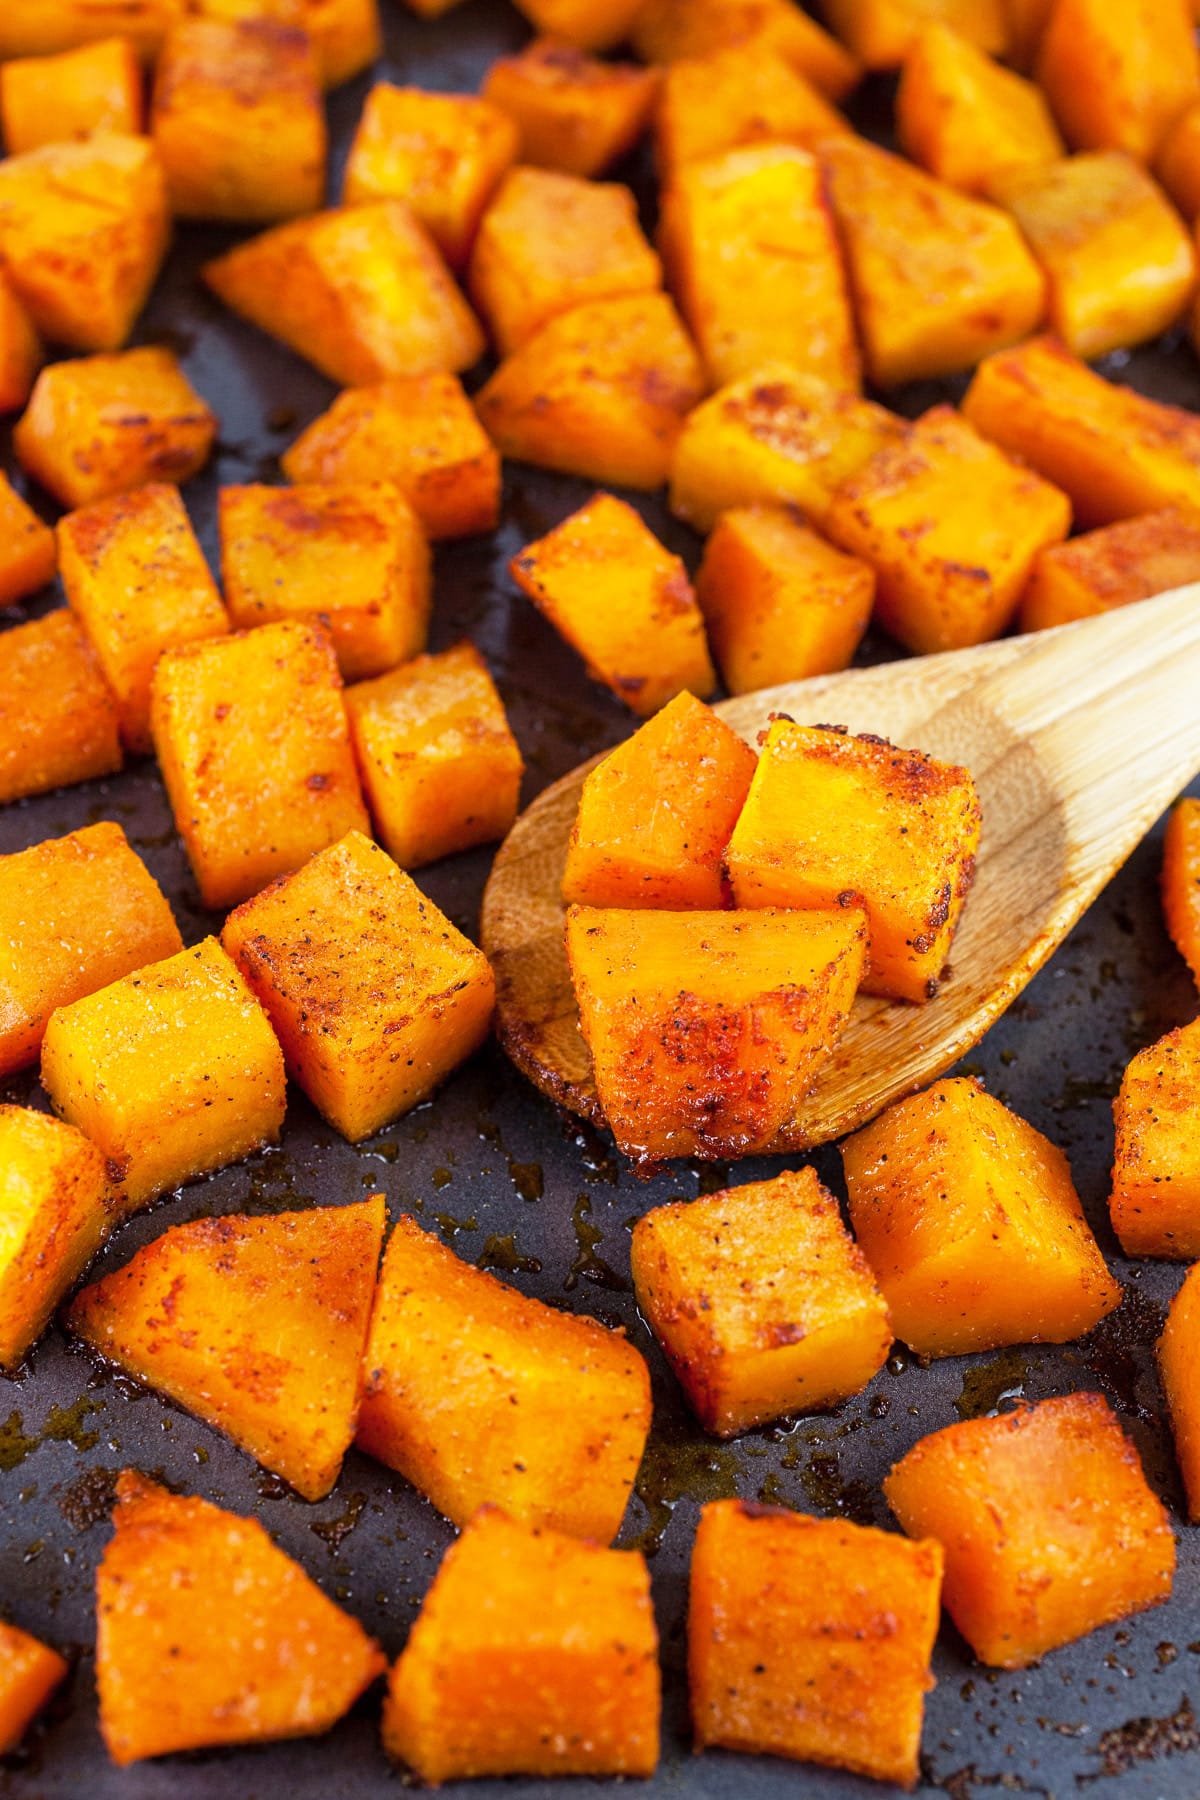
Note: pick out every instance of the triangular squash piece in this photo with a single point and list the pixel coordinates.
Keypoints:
(256, 1325)
(206, 1633)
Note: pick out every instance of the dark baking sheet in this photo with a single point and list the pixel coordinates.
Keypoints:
(517, 1188)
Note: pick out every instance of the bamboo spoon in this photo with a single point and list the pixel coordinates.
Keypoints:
(1078, 738)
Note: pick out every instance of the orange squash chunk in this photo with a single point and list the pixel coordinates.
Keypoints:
(665, 31)
(779, 602)
(1118, 73)
(830, 816)
(1181, 881)
(971, 1222)
(20, 349)
(1178, 1352)
(103, 425)
(1177, 165)
(474, 1390)
(881, 33)
(256, 1325)
(29, 1673)
(600, 392)
(952, 527)
(53, 99)
(361, 291)
(966, 119)
(655, 816)
(753, 261)
(624, 602)
(440, 766)
(533, 1654)
(1155, 1200)
(761, 1300)
(76, 913)
(31, 28)
(1049, 1527)
(590, 24)
(254, 748)
(707, 1028)
(1115, 566)
(746, 94)
(28, 553)
(811, 1638)
(776, 436)
(374, 995)
(265, 1656)
(352, 557)
(572, 112)
(346, 34)
(58, 720)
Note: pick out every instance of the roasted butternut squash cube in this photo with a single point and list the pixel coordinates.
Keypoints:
(1118, 75)
(830, 815)
(881, 33)
(254, 748)
(346, 34)
(76, 913)
(572, 112)
(938, 278)
(257, 1325)
(474, 1390)
(353, 557)
(753, 261)
(776, 436)
(746, 94)
(1177, 165)
(1178, 1350)
(779, 602)
(135, 577)
(655, 816)
(665, 31)
(1181, 881)
(550, 242)
(53, 99)
(361, 291)
(624, 602)
(533, 1654)
(708, 1028)
(971, 1222)
(58, 718)
(171, 1072)
(31, 28)
(374, 996)
(949, 571)
(590, 24)
(440, 766)
(1155, 1200)
(1048, 1525)
(1115, 566)
(1026, 23)
(20, 348)
(103, 425)
(29, 1673)
(266, 1656)
(83, 232)
(600, 392)
(966, 119)
(28, 552)
(444, 155)
(761, 1300)
(57, 1207)
(811, 1638)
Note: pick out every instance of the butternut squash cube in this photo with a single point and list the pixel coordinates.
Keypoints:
(83, 232)
(440, 766)
(1114, 452)
(666, 31)
(256, 1325)
(20, 348)
(811, 1638)
(1155, 1200)
(951, 526)
(624, 602)
(1178, 163)
(572, 112)
(779, 602)
(31, 28)
(753, 261)
(938, 279)
(1026, 23)
(881, 33)
(1115, 566)
(971, 1222)
(1048, 1525)
(600, 392)
(444, 155)
(761, 1301)
(346, 34)
(28, 552)
(375, 997)
(655, 816)
(590, 24)
(533, 1654)
(708, 1028)
(1118, 73)
(1181, 881)
(254, 748)
(474, 1390)
(746, 94)
(58, 719)
(29, 1673)
(361, 291)
(352, 557)
(57, 1207)
(830, 816)
(103, 425)
(135, 576)
(1178, 1350)
(966, 119)
(266, 1656)
(76, 913)
(776, 436)
(172, 1071)
(53, 99)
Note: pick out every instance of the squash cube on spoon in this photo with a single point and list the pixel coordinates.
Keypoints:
(572, 111)
(1155, 1200)
(29, 1673)
(58, 716)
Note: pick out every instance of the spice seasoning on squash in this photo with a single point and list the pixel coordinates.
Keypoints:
(1114, 566)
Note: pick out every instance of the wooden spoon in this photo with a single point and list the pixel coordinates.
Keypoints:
(1078, 739)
